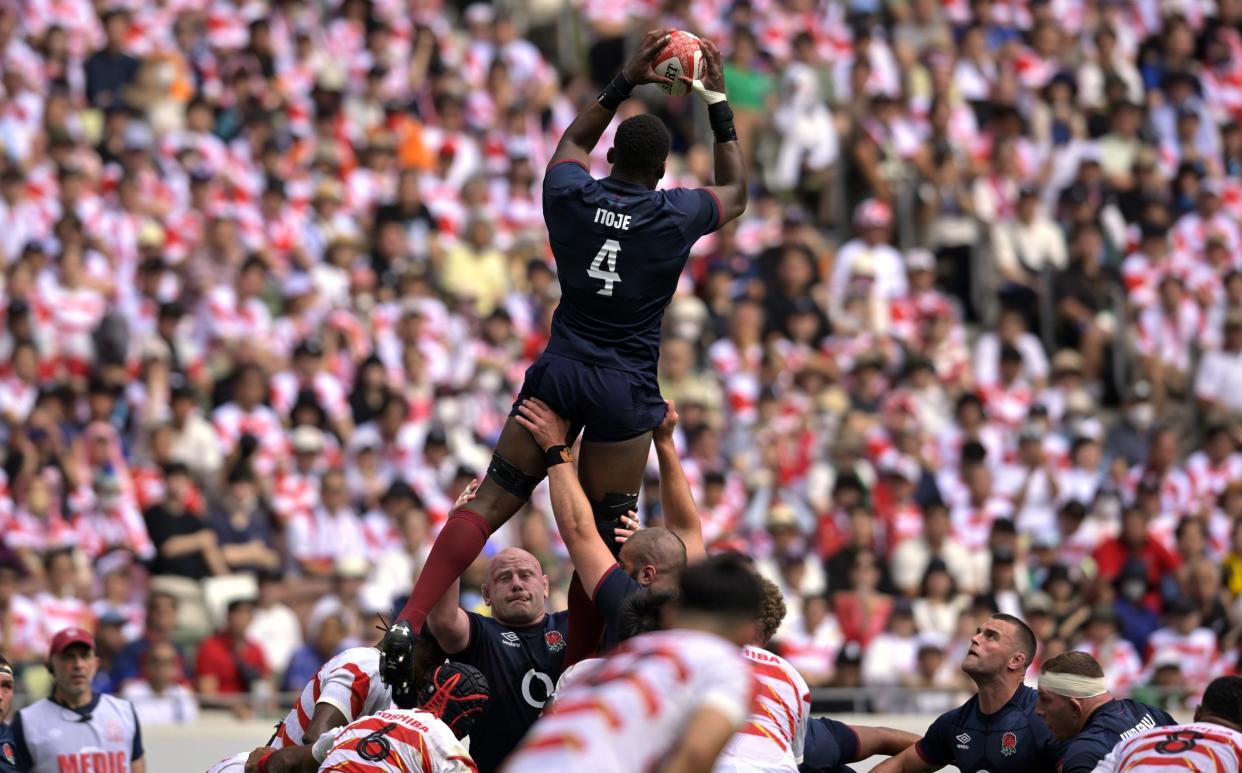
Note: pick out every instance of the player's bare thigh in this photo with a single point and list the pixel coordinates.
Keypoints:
(517, 447)
(613, 468)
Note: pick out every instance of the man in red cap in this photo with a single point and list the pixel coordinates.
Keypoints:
(74, 728)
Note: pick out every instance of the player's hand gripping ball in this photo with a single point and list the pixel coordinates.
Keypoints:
(682, 55)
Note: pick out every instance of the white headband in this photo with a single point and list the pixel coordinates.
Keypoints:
(1072, 685)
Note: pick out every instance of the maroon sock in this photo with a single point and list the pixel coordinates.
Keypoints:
(460, 542)
(586, 624)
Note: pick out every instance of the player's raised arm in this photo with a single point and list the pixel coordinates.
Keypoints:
(447, 621)
(681, 514)
(730, 188)
(570, 506)
(582, 135)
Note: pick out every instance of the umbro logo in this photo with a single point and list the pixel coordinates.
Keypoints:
(962, 741)
(511, 639)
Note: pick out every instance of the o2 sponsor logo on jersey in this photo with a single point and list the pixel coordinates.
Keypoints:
(554, 640)
(529, 680)
(1009, 744)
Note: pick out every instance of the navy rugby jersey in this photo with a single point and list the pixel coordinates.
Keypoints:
(1108, 726)
(619, 251)
(1011, 740)
(521, 666)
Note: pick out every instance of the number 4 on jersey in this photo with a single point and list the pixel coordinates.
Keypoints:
(609, 252)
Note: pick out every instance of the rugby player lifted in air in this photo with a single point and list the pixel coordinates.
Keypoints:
(620, 246)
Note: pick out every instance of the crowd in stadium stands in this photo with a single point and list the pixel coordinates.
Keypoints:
(272, 272)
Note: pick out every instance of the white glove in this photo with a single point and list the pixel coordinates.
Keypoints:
(324, 743)
(708, 96)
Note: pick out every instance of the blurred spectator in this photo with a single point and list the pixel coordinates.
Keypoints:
(242, 527)
(938, 604)
(330, 532)
(22, 635)
(158, 695)
(229, 664)
(61, 605)
(185, 546)
(1220, 368)
(275, 627)
(161, 622)
(325, 634)
(112, 68)
(109, 643)
(1194, 646)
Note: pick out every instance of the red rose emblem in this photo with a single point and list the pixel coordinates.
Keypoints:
(554, 640)
(1009, 744)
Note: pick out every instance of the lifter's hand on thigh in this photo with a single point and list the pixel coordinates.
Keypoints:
(630, 525)
(548, 428)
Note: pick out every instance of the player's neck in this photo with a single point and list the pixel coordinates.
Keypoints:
(626, 177)
(995, 692)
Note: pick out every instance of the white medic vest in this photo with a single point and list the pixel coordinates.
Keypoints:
(60, 741)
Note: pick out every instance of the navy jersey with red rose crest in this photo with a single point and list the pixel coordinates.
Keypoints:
(522, 666)
(1012, 739)
(8, 754)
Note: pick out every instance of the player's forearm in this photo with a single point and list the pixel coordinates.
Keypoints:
(882, 740)
(681, 514)
(731, 167)
(448, 622)
(570, 507)
(588, 127)
(908, 761)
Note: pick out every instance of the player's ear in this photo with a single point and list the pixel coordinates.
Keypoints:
(609, 156)
(660, 173)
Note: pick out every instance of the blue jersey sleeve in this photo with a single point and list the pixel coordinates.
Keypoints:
(698, 211)
(829, 744)
(564, 178)
(1083, 755)
(936, 745)
(612, 592)
(476, 636)
(20, 750)
(137, 752)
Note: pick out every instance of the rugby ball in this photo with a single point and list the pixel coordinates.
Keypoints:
(682, 55)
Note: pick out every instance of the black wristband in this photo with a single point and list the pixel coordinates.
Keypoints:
(615, 92)
(720, 115)
(558, 454)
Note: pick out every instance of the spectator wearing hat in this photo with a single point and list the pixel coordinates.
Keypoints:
(229, 664)
(159, 696)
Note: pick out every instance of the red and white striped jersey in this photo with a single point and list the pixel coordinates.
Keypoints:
(397, 741)
(349, 683)
(775, 733)
(628, 712)
(1196, 746)
(1195, 651)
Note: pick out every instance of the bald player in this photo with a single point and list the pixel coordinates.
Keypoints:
(997, 730)
(1077, 707)
(652, 558)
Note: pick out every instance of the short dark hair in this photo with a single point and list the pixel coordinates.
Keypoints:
(641, 144)
(1022, 633)
(1075, 663)
(724, 586)
(640, 613)
(1223, 698)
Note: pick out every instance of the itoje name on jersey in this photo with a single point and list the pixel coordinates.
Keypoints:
(1146, 723)
(612, 219)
